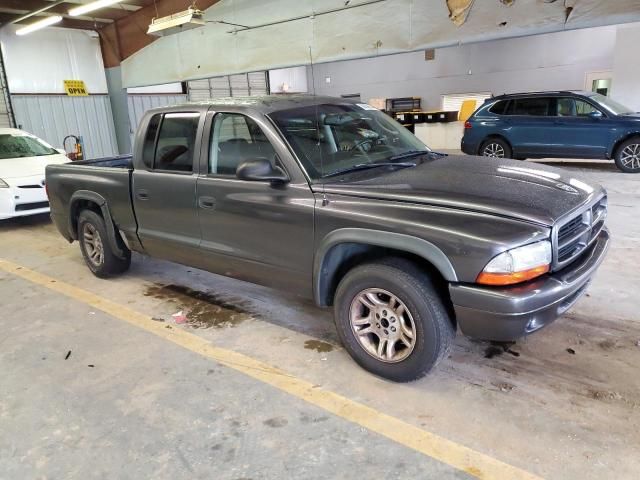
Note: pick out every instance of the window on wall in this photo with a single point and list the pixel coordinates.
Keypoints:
(453, 102)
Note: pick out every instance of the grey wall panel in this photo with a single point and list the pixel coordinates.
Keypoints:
(53, 117)
(139, 104)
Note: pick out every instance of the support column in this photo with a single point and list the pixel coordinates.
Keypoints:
(119, 109)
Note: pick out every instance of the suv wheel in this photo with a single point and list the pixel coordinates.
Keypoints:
(392, 321)
(495, 148)
(627, 156)
(95, 247)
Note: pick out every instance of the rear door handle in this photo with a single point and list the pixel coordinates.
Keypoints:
(142, 195)
(207, 202)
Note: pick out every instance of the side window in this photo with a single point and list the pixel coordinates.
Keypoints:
(538, 107)
(566, 107)
(235, 139)
(584, 109)
(176, 142)
(149, 145)
(499, 108)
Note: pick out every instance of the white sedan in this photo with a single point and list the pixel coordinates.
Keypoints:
(23, 158)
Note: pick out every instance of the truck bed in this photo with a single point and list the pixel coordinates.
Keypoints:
(103, 181)
(121, 161)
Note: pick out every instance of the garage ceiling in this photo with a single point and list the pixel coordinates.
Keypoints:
(12, 10)
(296, 32)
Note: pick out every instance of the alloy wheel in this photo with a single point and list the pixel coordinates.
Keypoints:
(383, 325)
(93, 244)
(494, 150)
(630, 156)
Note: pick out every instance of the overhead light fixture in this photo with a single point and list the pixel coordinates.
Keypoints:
(178, 22)
(45, 22)
(90, 7)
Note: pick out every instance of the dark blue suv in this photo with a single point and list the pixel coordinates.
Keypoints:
(555, 124)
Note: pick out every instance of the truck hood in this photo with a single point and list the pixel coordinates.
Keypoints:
(515, 189)
(28, 166)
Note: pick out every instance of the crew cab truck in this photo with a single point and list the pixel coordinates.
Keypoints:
(333, 200)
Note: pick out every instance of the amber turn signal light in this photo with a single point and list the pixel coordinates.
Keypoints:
(511, 278)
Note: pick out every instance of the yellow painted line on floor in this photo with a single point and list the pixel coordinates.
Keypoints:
(446, 451)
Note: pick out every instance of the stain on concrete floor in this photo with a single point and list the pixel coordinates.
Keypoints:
(203, 309)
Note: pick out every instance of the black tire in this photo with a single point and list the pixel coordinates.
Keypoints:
(91, 226)
(496, 145)
(433, 327)
(627, 156)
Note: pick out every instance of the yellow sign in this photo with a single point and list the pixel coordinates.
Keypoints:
(75, 88)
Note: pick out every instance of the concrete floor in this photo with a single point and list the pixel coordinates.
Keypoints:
(129, 404)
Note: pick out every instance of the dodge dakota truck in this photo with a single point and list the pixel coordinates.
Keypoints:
(333, 200)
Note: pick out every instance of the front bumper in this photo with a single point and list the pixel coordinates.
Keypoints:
(508, 313)
(25, 196)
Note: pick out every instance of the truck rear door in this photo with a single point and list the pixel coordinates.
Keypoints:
(164, 186)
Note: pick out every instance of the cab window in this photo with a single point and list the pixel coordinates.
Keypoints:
(235, 139)
(176, 142)
(573, 107)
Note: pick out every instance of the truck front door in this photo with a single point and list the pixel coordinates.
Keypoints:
(253, 230)
(164, 186)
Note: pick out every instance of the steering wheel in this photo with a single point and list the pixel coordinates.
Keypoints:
(361, 144)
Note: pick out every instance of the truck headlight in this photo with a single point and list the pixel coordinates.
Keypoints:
(517, 265)
(3, 184)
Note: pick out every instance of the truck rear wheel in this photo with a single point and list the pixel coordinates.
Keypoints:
(392, 321)
(96, 249)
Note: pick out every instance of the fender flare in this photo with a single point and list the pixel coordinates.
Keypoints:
(377, 238)
(106, 214)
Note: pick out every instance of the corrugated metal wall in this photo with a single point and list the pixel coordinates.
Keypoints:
(53, 117)
(6, 115)
(139, 104)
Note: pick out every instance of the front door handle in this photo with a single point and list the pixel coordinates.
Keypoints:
(142, 195)
(207, 202)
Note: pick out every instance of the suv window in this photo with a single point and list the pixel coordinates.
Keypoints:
(573, 107)
(176, 142)
(538, 107)
(499, 108)
(235, 139)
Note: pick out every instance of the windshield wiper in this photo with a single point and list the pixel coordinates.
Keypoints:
(366, 166)
(411, 153)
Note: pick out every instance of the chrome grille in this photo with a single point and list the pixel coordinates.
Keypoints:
(574, 235)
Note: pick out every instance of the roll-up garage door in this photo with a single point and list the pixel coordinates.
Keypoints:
(258, 83)
(240, 85)
(199, 90)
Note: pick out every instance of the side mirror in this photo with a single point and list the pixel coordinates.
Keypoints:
(596, 114)
(261, 170)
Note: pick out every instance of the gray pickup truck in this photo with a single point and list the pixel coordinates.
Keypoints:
(331, 199)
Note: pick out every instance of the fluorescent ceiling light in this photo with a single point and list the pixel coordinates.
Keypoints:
(90, 7)
(45, 22)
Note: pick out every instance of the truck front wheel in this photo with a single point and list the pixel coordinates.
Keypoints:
(392, 321)
(96, 249)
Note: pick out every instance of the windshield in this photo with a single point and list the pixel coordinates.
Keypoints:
(331, 138)
(16, 146)
(612, 106)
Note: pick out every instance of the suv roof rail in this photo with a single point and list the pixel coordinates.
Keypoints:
(548, 92)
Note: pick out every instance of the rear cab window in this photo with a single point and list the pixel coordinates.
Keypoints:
(170, 142)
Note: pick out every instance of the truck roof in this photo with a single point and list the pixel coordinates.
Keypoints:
(264, 104)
